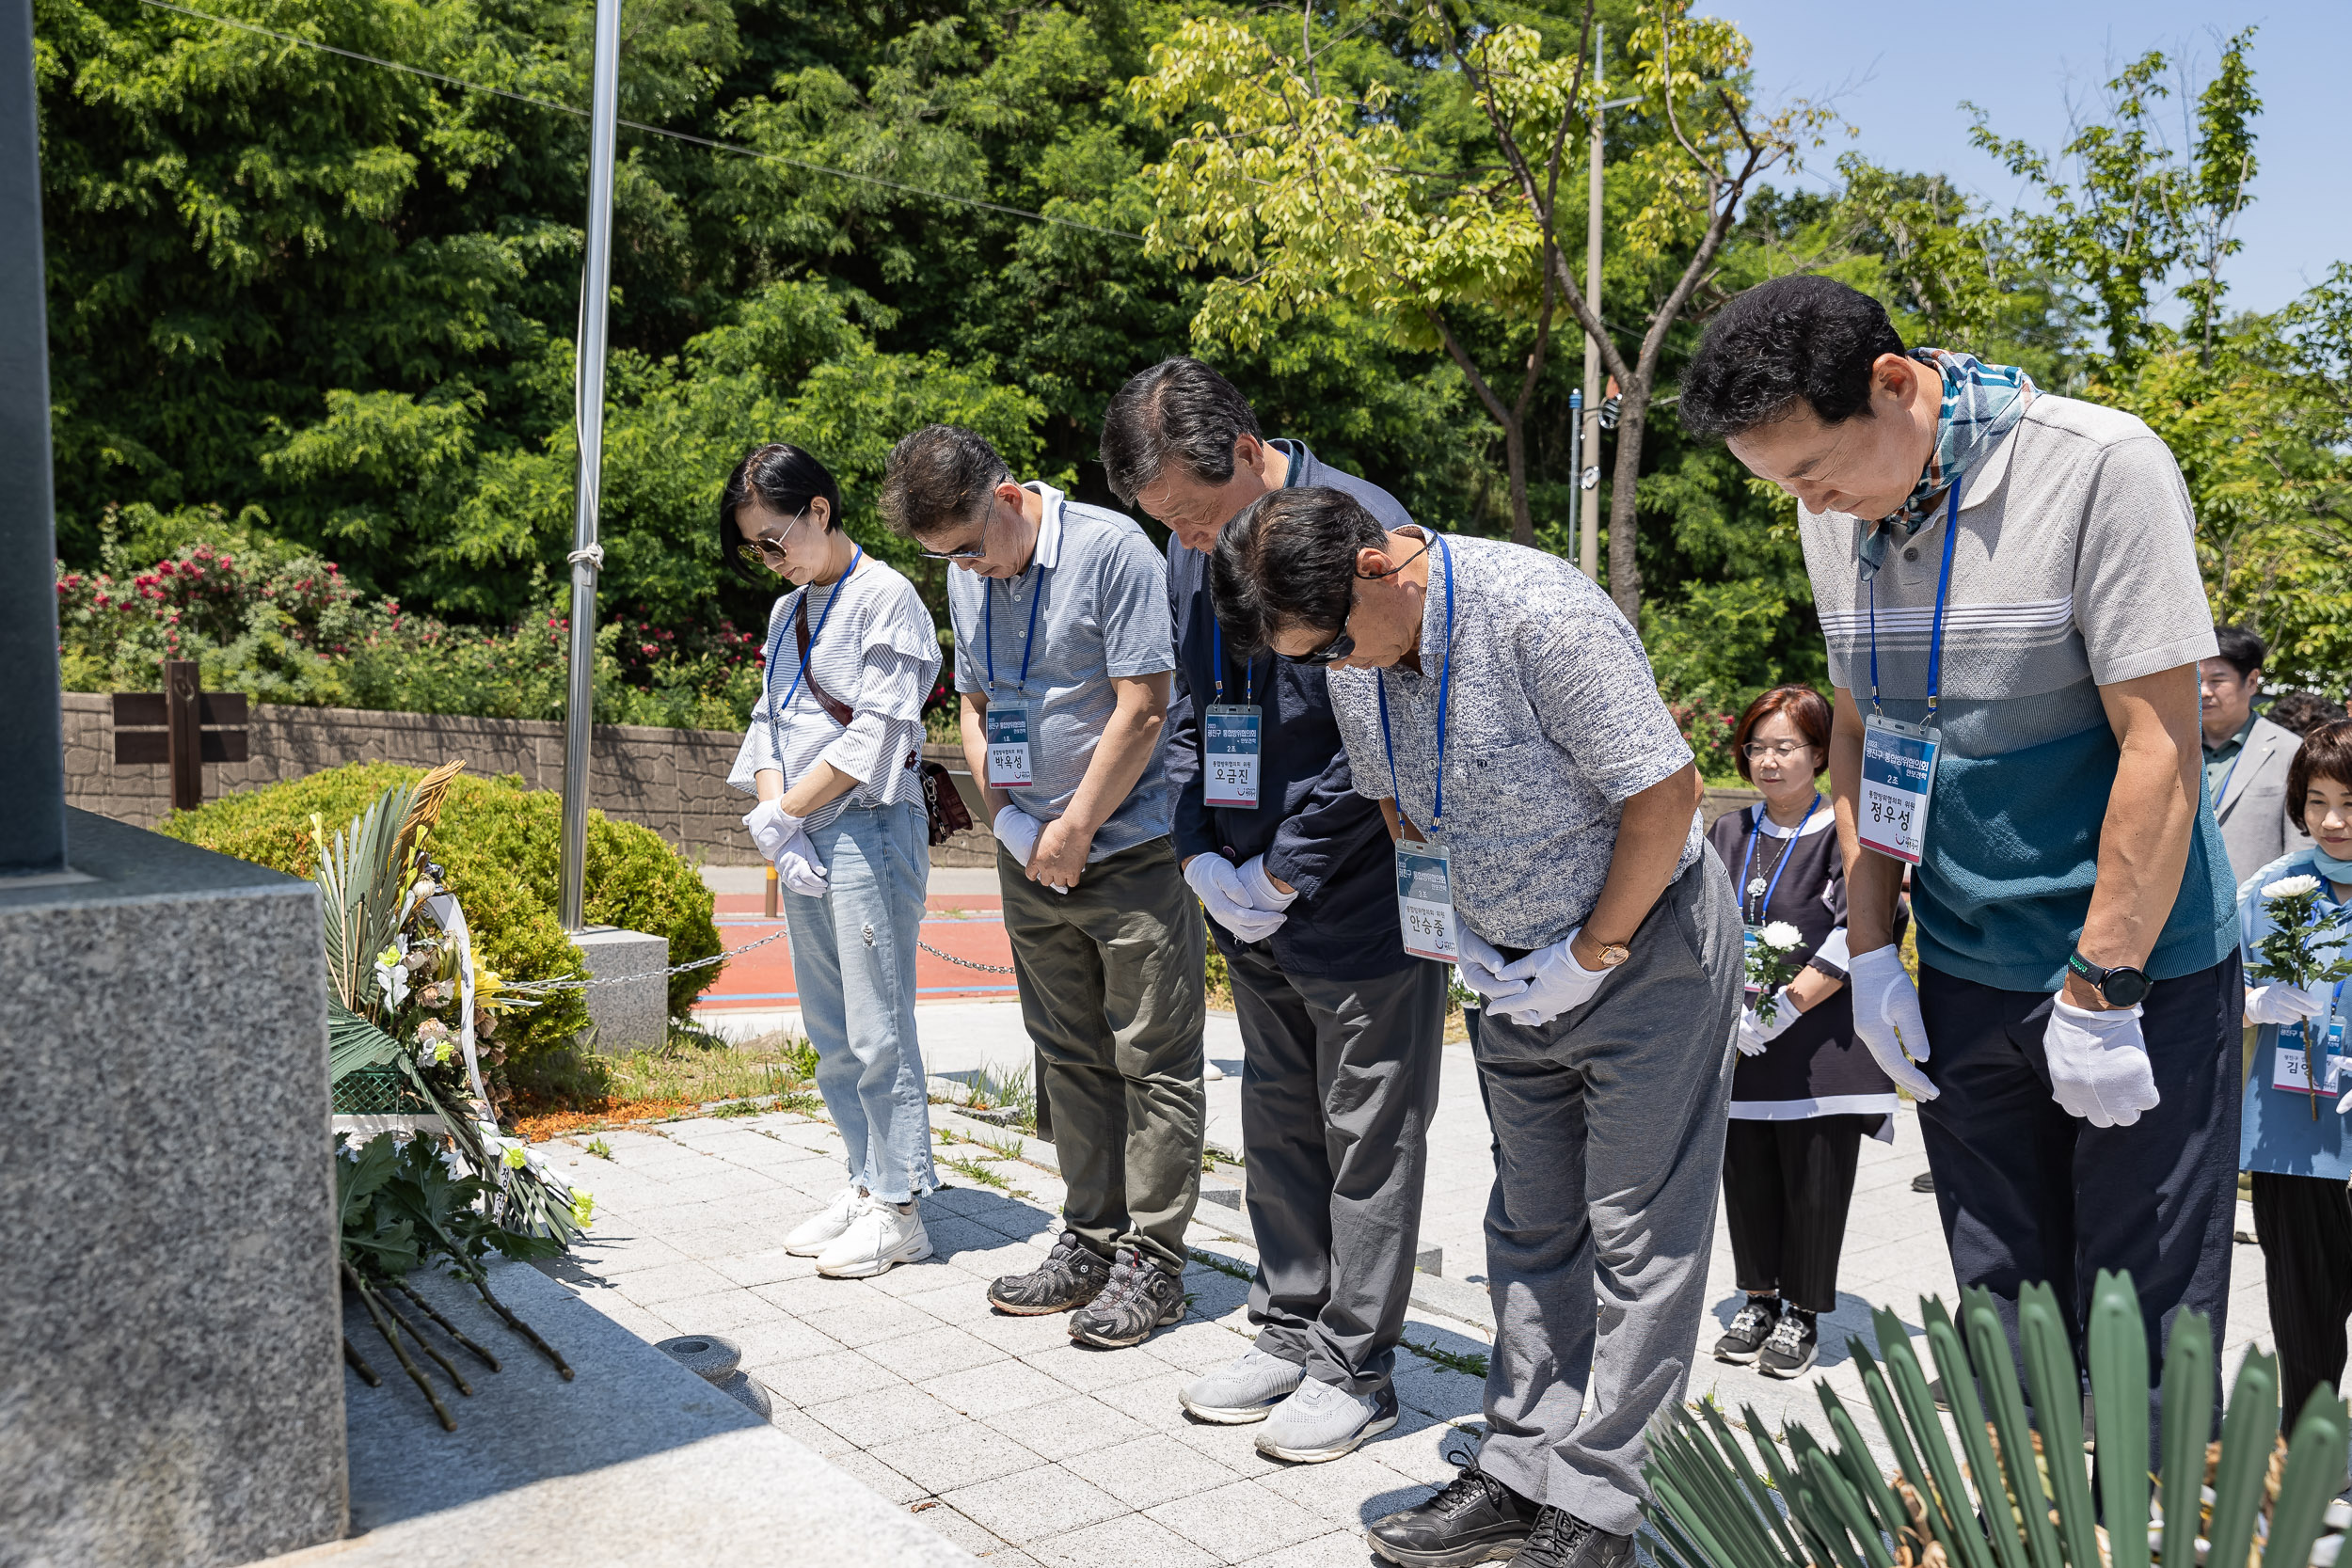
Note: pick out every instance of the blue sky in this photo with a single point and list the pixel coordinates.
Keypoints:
(1904, 68)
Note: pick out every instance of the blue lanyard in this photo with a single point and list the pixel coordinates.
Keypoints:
(1445, 685)
(1250, 671)
(776, 649)
(987, 633)
(2228, 773)
(1935, 643)
(1755, 830)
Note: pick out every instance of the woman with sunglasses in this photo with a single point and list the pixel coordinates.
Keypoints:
(834, 753)
(1805, 1091)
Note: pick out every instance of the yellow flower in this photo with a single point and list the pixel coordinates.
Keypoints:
(583, 1207)
(514, 1157)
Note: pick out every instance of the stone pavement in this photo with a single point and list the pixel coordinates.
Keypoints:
(1024, 1448)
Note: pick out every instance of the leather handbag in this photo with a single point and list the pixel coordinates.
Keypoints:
(942, 808)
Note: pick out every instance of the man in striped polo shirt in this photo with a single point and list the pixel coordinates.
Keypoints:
(2009, 588)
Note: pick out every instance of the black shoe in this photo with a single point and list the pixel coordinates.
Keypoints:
(1748, 1331)
(1474, 1519)
(1072, 1275)
(1923, 1182)
(1139, 1297)
(1792, 1346)
(1561, 1540)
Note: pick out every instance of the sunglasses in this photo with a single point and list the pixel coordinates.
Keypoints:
(773, 549)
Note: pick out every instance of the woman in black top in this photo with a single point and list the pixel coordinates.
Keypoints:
(1805, 1091)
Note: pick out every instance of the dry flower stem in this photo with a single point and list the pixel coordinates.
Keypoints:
(447, 1327)
(522, 1328)
(427, 1345)
(358, 1364)
(366, 1300)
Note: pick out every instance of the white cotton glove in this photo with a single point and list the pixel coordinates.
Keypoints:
(1482, 967)
(2281, 1005)
(771, 828)
(2098, 1064)
(1556, 983)
(1886, 1018)
(800, 869)
(1262, 894)
(1218, 886)
(1017, 830)
(1754, 1034)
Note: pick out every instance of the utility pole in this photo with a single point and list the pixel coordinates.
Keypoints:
(1588, 441)
(587, 556)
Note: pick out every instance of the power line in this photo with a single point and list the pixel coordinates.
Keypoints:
(560, 107)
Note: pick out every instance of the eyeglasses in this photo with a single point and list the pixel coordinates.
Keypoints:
(1759, 751)
(1340, 645)
(969, 552)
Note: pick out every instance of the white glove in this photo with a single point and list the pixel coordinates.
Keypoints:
(799, 868)
(1262, 894)
(1754, 1034)
(2281, 1004)
(1482, 967)
(1218, 886)
(1556, 983)
(1886, 1018)
(771, 828)
(2098, 1064)
(1017, 830)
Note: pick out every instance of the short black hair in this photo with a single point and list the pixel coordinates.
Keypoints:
(1179, 409)
(2241, 649)
(2303, 711)
(1289, 560)
(785, 479)
(937, 478)
(1801, 337)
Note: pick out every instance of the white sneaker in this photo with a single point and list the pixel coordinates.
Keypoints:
(822, 1229)
(882, 1235)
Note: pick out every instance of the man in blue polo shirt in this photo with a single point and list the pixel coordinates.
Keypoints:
(2007, 582)
(1341, 1029)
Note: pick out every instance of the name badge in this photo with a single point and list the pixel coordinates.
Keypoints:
(2291, 1066)
(1424, 902)
(1008, 745)
(1229, 754)
(1897, 779)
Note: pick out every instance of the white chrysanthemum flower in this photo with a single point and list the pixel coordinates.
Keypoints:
(514, 1157)
(1780, 936)
(2289, 887)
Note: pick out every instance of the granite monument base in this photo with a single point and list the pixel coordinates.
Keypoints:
(633, 1015)
(171, 1382)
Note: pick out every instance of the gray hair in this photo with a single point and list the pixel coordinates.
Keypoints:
(937, 478)
(1179, 409)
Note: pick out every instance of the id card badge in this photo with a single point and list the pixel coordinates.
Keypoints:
(1424, 902)
(1897, 779)
(1229, 754)
(1748, 937)
(1008, 745)
(2290, 1068)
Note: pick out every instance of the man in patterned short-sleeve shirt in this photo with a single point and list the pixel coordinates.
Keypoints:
(1600, 928)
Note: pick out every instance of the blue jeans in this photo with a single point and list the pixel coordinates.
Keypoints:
(853, 961)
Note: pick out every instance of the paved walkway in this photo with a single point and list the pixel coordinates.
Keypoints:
(1024, 1448)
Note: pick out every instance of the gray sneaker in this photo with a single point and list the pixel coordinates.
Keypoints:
(1319, 1422)
(1242, 1390)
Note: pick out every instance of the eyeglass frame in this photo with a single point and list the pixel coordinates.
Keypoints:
(1756, 751)
(975, 552)
(773, 549)
(1341, 644)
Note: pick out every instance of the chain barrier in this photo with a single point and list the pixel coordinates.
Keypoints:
(538, 988)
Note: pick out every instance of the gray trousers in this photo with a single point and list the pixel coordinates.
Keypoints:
(1339, 1082)
(1611, 1122)
(1111, 975)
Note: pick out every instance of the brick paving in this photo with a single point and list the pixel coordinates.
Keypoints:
(1024, 1448)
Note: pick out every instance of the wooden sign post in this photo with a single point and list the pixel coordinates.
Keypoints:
(185, 727)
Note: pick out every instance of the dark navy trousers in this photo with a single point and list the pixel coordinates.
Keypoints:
(2029, 1193)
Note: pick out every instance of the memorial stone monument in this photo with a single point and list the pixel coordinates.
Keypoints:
(170, 1368)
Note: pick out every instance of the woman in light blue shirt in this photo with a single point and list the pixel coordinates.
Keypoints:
(2297, 1143)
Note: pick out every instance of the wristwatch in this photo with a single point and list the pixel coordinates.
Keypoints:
(1613, 953)
(2125, 985)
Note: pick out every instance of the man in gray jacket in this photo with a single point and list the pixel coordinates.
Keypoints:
(2247, 756)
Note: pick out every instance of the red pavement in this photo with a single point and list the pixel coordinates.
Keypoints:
(970, 925)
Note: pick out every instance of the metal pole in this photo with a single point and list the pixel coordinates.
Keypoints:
(32, 742)
(1588, 471)
(588, 413)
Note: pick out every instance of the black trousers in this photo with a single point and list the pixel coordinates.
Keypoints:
(1787, 1187)
(2304, 1223)
(2029, 1193)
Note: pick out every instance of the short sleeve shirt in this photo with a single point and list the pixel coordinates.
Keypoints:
(1555, 723)
(2075, 567)
(1099, 595)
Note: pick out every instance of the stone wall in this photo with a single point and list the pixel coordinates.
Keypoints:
(672, 780)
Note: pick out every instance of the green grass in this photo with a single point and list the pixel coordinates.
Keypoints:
(601, 1150)
(1222, 1265)
(1469, 1362)
(974, 1171)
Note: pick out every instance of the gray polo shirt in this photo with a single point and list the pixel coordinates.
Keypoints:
(1100, 591)
(1556, 724)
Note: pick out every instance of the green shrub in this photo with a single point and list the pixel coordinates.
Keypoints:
(499, 844)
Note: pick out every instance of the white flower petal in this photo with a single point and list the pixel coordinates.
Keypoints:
(2289, 887)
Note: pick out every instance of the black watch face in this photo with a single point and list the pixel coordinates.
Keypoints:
(2124, 988)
